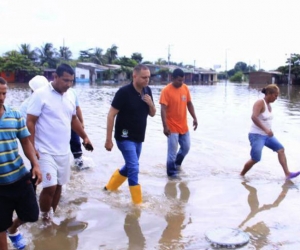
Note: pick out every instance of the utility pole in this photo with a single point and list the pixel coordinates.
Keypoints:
(290, 64)
(226, 75)
(169, 54)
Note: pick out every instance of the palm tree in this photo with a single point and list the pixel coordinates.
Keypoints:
(65, 53)
(111, 54)
(25, 50)
(47, 55)
(97, 56)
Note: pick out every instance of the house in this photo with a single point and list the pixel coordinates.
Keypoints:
(163, 73)
(95, 71)
(82, 75)
(266, 77)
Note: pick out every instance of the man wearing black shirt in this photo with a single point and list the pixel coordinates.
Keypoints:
(131, 106)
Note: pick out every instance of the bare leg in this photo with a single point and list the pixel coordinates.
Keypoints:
(283, 162)
(46, 198)
(14, 227)
(3, 241)
(249, 164)
(56, 197)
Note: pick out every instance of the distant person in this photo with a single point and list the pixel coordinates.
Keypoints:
(51, 114)
(261, 134)
(131, 106)
(75, 143)
(35, 83)
(16, 192)
(175, 100)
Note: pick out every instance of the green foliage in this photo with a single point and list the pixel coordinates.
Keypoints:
(147, 62)
(237, 77)
(13, 61)
(137, 57)
(125, 61)
(111, 54)
(48, 54)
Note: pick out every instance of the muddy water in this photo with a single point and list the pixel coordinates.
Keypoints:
(176, 214)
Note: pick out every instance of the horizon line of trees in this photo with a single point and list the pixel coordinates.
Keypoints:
(46, 56)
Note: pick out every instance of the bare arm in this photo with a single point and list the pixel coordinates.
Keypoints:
(152, 110)
(29, 152)
(31, 122)
(191, 109)
(79, 115)
(258, 108)
(163, 113)
(109, 128)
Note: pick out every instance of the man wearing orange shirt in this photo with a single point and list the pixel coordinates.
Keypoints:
(175, 100)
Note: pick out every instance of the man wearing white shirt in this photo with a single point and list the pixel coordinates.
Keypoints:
(51, 114)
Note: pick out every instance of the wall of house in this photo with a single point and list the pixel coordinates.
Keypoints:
(8, 76)
(82, 75)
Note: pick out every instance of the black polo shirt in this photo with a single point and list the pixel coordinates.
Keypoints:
(131, 120)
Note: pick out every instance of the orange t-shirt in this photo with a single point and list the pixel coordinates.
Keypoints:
(176, 99)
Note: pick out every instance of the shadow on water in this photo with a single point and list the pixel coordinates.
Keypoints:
(175, 217)
(259, 232)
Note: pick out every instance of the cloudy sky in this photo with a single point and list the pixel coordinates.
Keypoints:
(260, 32)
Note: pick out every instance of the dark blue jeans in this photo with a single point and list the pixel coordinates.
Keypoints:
(75, 145)
(131, 153)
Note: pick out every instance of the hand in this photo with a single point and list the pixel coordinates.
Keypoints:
(147, 99)
(87, 144)
(167, 131)
(269, 132)
(37, 154)
(36, 174)
(195, 124)
(108, 145)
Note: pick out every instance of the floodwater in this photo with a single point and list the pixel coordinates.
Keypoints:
(210, 194)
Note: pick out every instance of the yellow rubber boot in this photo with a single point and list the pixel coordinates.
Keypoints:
(136, 194)
(116, 180)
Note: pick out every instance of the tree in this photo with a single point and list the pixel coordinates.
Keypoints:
(25, 50)
(13, 61)
(137, 57)
(240, 66)
(237, 77)
(97, 56)
(48, 55)
(65, 53)
(125, 61)
(161, 61)
(111, 54)
(85, 55)
(147, 62)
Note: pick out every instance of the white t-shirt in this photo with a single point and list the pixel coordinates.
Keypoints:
(53, 127)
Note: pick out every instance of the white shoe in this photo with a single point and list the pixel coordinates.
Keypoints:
(78, 163)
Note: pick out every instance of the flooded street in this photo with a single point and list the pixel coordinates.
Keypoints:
(210, 194)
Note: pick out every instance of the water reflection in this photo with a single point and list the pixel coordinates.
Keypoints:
(59, 237)
(133, 230)
(260, 231)
(171, 236)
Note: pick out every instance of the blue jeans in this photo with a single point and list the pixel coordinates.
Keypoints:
(258, 141)
(131, 153)
(175, 158)
(75, 145)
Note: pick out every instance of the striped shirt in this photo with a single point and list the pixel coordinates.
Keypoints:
(12, 127)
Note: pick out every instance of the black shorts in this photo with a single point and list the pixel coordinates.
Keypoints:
(19, 197)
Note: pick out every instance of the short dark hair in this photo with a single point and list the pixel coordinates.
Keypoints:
(140, 67)
(177, 72)
(64, 68)
(3, 81)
